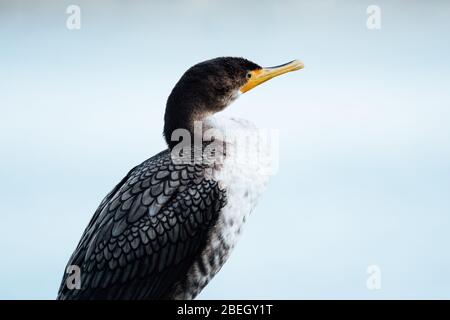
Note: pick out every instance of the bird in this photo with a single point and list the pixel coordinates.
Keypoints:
(167, 228)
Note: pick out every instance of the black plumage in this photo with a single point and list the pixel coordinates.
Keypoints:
(146, 232)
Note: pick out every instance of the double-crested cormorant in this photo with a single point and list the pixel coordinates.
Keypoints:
(167, 228)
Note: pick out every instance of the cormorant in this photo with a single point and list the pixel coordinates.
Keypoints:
(167, 228)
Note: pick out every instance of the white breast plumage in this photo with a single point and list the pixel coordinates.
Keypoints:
(243, 174)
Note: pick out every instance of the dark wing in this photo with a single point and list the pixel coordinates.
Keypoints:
(146, 233)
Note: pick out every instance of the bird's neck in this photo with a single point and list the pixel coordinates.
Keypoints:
(186, 112)
(181, 124)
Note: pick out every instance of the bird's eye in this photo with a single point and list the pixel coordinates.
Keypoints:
(249, 75)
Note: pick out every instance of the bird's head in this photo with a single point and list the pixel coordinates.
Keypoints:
(210, 86)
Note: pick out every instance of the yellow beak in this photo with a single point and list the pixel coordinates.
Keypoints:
(256, 77)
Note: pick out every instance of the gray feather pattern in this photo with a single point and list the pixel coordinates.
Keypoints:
(144, 236)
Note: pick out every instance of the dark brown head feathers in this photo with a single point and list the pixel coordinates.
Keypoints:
(204, 89)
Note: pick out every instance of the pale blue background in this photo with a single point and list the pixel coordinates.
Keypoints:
(365, 129)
